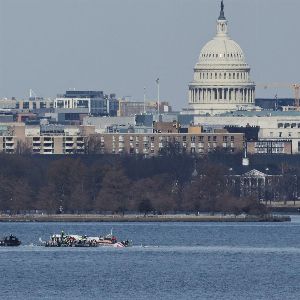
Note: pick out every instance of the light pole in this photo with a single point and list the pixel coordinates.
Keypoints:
(157, 83)
(144, 100)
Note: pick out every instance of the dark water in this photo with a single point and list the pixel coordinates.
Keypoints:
(176, 261)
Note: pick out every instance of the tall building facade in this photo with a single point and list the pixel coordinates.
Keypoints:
(92, 102)
(221, 76)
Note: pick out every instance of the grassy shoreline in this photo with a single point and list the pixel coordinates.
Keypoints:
(141, 218)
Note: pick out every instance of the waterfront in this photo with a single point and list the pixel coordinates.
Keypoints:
(167, 261)
(203, 217)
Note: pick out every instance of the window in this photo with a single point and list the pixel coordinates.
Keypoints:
(25, 105)
(214, 138)
(232, 138)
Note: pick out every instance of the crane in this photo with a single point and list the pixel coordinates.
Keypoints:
(294, 86)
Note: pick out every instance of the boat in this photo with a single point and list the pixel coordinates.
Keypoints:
(10, 241)
(69, 240)
(74, 240)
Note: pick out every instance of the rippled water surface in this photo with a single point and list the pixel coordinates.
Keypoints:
(167, 261)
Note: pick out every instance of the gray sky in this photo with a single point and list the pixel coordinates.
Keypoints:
(123, 45)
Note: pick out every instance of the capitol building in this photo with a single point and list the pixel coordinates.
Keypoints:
(222, 80)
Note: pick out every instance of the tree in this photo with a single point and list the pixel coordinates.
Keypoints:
(48, 199)
(93, 145)
(145, 206)
(115, 193)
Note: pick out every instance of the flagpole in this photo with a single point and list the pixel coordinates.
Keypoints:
(144, 100)
(157, 81)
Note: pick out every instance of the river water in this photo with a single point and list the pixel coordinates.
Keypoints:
(167, 261)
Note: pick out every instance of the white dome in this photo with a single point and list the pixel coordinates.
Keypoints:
(221, 50)
(221, 80)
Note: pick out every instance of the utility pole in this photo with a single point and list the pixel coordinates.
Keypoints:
(157, 82)
(144, 100)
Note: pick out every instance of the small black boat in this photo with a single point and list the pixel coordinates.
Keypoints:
(10, 241)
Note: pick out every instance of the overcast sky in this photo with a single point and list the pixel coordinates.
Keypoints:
(120, 46)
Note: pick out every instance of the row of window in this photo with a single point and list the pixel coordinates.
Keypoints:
(289, 134)
(161, 138)
(217, 55)
(288, 125)
(238, 75)
(225, 144)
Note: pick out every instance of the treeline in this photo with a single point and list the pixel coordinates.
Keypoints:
(120, 184)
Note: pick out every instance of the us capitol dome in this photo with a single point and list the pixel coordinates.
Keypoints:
(221, 76)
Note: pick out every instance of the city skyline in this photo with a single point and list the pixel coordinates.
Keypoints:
(122, 46)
